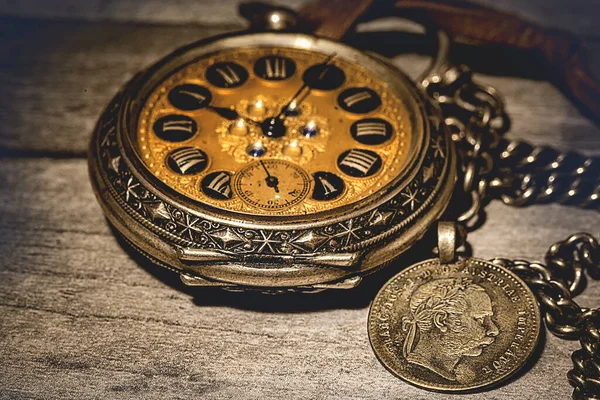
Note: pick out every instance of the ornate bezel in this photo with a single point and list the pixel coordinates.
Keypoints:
(269, 251)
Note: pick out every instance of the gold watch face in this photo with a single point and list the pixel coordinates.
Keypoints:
(274, 131)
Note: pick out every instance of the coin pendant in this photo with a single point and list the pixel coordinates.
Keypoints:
(454, 327)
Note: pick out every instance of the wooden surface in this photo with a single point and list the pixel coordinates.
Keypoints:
(81, 318)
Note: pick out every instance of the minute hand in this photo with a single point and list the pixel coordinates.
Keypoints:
(271, 180)
(296, 95)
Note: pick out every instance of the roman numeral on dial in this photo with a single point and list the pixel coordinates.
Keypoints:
(175, 128)
(226, 75)
(274, 68)
(217, 185)
(328, 186)
(187, 160)
(190, 97)
(359, 163)
(359, 100)
(371, 131)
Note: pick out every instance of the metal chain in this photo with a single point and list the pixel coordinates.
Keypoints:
(492, 167)
(475, 116)
(555, 284)
(528, 174)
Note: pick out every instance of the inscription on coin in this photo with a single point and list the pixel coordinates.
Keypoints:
(454, 327)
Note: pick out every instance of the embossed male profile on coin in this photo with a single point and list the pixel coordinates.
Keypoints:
(454, 327)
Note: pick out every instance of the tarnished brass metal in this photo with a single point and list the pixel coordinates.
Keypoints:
(271, 230)
(447, 241)
(454, 327)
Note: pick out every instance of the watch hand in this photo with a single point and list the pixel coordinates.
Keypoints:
(224, 112)
(273, 127)
(228, 113)
(295, 98)
(272, 181)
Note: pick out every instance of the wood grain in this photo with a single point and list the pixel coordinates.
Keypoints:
(579, 16)
(58, 76)
(82, 317)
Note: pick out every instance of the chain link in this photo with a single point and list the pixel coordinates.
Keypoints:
(528, 174)
(475, 116)
(492, 167)
(555, 283)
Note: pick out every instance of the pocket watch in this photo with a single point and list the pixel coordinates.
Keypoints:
(281, 159)
(272, 160)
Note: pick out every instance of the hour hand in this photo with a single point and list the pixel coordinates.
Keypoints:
(225, 112)
(273, 182)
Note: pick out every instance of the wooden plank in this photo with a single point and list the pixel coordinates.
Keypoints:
(576, 15)
(54, 91)
(81, 319)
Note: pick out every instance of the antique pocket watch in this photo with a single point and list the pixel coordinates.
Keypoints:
(277, 159)
(272, 160)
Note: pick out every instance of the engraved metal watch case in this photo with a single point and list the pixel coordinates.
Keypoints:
(239, 244)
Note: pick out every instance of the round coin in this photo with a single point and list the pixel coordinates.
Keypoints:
(454, 327)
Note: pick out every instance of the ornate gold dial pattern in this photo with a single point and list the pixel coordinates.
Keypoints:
(346, 136)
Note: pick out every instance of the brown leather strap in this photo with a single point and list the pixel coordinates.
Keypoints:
(333, 18)
(561, 51)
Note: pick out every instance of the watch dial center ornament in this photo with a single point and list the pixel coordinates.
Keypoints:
(292, 110)
(273, 127)
(293, 149)
(257, 109)
(238, 128)
(257, 149)
(310, 129)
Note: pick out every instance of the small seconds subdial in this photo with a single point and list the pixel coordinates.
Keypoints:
(272, 184)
